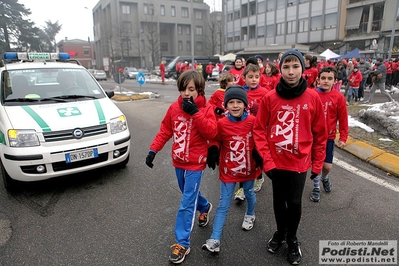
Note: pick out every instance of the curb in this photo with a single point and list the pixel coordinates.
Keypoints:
(133, 97)
(381, 159)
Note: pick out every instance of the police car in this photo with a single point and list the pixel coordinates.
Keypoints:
(55, 119)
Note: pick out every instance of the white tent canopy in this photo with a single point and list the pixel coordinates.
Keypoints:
(329, 54)
(228, 57)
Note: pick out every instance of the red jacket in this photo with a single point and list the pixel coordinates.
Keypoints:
(162, 68)
(236, 144)
(335, 111)
(209, 68)
(355, 79)
(270, 82)
(237, 73)
(190, 134)
(216, 100)
(291, 134)
(254, 98)
(389, 67)
(310, 74)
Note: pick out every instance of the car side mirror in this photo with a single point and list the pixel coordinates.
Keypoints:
(110, 94)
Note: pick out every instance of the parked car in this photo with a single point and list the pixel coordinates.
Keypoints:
(98, 74)
(130, 72)
(156, 71)
(215, 74)
(63, 123)
(145, 72)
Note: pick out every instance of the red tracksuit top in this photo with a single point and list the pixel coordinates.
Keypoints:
(236, 144)
(254, 98)
(291, 134)
(216, 100)
(355, 79)
(310, 74)
(335, 111)
(190, 134)
(237, 73)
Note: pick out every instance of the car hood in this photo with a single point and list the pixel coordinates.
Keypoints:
(61, 116)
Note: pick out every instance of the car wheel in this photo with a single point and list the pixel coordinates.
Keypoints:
(10, 184)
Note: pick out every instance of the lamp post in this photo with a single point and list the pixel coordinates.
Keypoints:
(89, 64)
(192, 33)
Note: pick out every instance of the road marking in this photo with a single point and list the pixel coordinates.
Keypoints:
(365, 175)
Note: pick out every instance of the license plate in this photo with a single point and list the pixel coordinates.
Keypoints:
(81, 155)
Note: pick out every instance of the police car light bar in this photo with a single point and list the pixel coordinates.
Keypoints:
(16, 56)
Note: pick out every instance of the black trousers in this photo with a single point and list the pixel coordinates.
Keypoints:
(287, 201)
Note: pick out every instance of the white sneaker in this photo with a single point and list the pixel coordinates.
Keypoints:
(248, 222)
(361, 99)
(258, 184)
(211, 245)
(239, 195)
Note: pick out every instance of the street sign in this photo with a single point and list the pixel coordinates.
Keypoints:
(119, 78)
(140, 78)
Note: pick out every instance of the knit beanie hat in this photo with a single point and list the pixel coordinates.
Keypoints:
(258, 56)
(297, 54)
(235, 92)
(252, 60)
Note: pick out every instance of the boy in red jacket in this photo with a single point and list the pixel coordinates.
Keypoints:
(290, 135)
(335, 112)
(191, 122)
(216, 100)
(237, 148)
(354, 79)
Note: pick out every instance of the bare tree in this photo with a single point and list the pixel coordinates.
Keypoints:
(215, 31)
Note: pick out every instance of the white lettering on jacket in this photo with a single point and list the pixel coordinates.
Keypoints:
(284, 129)
(239, 155)
(181, 136)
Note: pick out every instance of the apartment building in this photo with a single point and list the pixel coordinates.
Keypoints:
(140, 33)
(268, 27)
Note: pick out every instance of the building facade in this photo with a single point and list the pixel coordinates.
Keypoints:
(141, 33)
(268, 27)
(80, 50)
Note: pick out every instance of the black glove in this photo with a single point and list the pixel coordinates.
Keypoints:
(189, 106)
(254, 109)
(258, 159)
(219, 111)
(213, 157)
(150, 157)
(270, 173)
(313, 176)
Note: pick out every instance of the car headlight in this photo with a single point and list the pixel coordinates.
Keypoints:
(23, 138)
(118, 124)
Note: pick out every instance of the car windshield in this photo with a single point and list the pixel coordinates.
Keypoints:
(132, 69)
(39, 84)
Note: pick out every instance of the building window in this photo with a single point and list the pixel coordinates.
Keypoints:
(236, 36)
(173, 11)
(199, 46)
(252, 32)
(179, 30)
(315, 23)
(230, 17)
(303, 25)
(330, 21)
(145, 9)
(198, 14)
(125, 9)
(162, 10)
(261, 31)
(142, 45)
(188, 44)
(291, 26)
(230, 37)
(244, 10)
(281, 4)
(236, 14)
(280, 28)
(261, 7)
(164, 46)
(271, 5)
(86, 51)
(151, 9)
(184, 12)
(198, 30)
(292, 2)
(252, 8)
(127, 27)
(180, 46)
(270, 30)
(188, 30)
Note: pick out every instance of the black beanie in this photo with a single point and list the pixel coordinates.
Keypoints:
(235, 92)
(297, 54)
(252, 60)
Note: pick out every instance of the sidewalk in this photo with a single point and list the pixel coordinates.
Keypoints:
(373, 148)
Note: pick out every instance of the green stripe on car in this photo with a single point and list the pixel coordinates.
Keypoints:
(37, 119)
(100, 112)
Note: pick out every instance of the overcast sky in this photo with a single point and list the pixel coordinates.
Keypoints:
(75, 16)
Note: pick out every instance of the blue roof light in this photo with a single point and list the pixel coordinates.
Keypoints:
(64, 56)
(10, 56)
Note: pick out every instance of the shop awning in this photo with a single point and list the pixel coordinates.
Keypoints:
(353, 18)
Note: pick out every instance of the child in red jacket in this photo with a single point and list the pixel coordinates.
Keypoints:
(226, 80)
(290, 135)
(191, 122)
(234, 150)
(354, 80)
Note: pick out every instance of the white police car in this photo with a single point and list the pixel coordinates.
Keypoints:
(55, 119)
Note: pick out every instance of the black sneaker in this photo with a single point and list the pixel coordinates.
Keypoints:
(326, 185)
(294, 252)
(178, 253)
(203, 218)
(275, 243)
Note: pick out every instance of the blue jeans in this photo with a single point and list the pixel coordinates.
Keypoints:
(352, 91)
(191, 201)
(226, 193)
